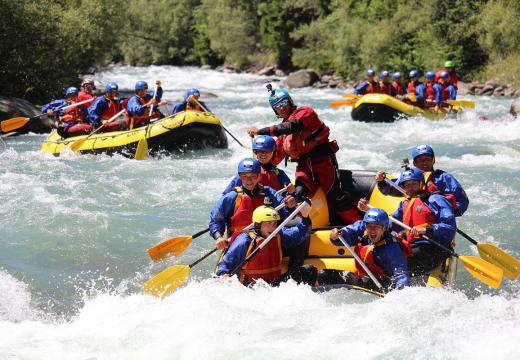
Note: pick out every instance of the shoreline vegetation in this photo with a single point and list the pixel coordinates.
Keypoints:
(46, 44)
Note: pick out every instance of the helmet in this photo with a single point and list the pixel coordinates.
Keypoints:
(265, 213)
(249, 165)
(140, 85)
(264, 142)
(88, 82)
(413, 73)
(278, 96)
(410, 175)
(376, 216)
(430, 75)
(449, 64)
(396, 75)
(111, 86)
(370, 72)
(422, 149)
(384, 73)
(192, 91)
(445, 75)
(71, 90)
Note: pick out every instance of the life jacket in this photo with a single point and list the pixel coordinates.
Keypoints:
(411, 86)
(432, 188)
(445, 93)
(416, 213)
(398, 88)
(82, 96)
(269, 177)
(244, 207)
(194, 107)
(113, 108)
(71, 116)
(429, 96)
(366, 254)
(266, 264)
(385, 88)
(133, 121)
(373, 87)
(453, 78)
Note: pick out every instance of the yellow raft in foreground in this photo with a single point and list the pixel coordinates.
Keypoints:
(186, 130)
(385, 108)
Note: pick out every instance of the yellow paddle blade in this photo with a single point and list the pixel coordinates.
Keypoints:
(500, 258)
(481, 270)
(142, 149)
(339, 103)
(412, 97)
(166, 281)
(350, 96)
(13, 123)
(464, 103)
(173, 246)
(76, 145)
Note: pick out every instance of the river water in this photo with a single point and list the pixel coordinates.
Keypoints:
(75, 230)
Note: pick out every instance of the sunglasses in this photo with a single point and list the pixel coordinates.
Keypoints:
(280, 104)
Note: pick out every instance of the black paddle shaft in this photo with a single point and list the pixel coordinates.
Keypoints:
(466, 236)
(199, 233)
(202, 258)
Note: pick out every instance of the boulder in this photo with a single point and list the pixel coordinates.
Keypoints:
(13, 107)
(515, 107)
(267, 71)
(499, 91)
(463, 88)
(205, 67)
(509, 91)
(301, 78)
(486, 90)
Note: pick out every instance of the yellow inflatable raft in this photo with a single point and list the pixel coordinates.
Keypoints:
(186, 130)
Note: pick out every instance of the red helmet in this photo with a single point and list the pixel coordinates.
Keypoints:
(88, 82)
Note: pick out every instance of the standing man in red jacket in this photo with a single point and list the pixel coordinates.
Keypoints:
(304, 138)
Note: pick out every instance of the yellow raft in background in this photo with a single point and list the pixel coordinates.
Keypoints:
(187, 130)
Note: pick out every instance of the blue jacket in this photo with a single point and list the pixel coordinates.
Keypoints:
(361, 89)
(56, 106)
(290, 238)
(96, 109)
(438, 93)
(221, 214)
(135, 108)
(282, 176)
(443, 231)
(389, 257)
(445, 182)
(181, 106)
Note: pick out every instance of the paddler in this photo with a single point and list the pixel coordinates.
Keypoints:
(369, 86)
(380, 249)
(191, 101)
(304, 138)
(70, 121)
(87, 92)
(385, 86)
(270, 175)
(234, 210)
(427, 92)
(412, 86)
(427, 214)
(449, 67)
(138, 106)
(267, 264)
(445, 91)
(397, 85)
(105, 107)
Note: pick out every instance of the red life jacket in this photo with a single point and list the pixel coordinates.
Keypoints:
(314, 133)
(82, 96)
(266, 264)
(429, 96)
(194, 107)
(445, 94)
(432, 188)
(113, 108)
(373, 87)
(133, 121)
(244, 207)
(411, 86)
(398, 88)
(385, 88)
(454, 80)
(366, 253)
(416, 213)
(72, 115)
(270, 178)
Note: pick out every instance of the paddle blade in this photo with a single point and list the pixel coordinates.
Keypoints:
(464, 103)
(76, 145)
(500, 258)
(350, 96)
(173, 246)
(142, 149)
(480, 269)
(166, 281)
(339, 103)
(13, 123)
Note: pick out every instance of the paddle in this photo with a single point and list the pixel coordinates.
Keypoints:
(323, 288)
(170, 279)
(76, 145)
(266, 241)
(360, 262)
(464, 103)
(350, 96)
(223, 127)
(178, 244)
(17, 122)
(489, 252)
(339, 103)
(141, 151)
(480, 269)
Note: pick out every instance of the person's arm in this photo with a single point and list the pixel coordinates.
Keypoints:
(295, 235)
(384, 188)
(452, 186)
(444, 230)
(277, 200)
(438, 94)
(235, 255)
(453, 92)
(284, 179)
(55, 106)
(350, 233)
(234, 182)
(286, 128)
(398, 215)
(390, 257)
(361, 89)
(134, 107)
(220, 214)
(95, 110)
(420, 93)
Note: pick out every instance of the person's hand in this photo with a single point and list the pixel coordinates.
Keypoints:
(51, 112)
(305, 211)
(334, 234)
(252, 131)
(380, 176)
(419, 230)
(162, 103)
(104, 122)
(221, 243)
(362, 204)
(158, 82)
(290, 188)
(290, 201)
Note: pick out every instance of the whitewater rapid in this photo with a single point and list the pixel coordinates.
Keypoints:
(75, 230)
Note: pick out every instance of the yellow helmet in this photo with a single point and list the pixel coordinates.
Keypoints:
(265, 213)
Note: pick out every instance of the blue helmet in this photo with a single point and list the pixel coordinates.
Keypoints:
(370, 72)
(376, 216)
(412, 174)
(264, 142)
(279, 95)
(111, 86)
(445, 74)
(383, 73)
(396, 75)
(140, 85)
(249, 165)
(430, 75)
(192, 91)
(413, 73)
(71, 90)
(421, 150)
